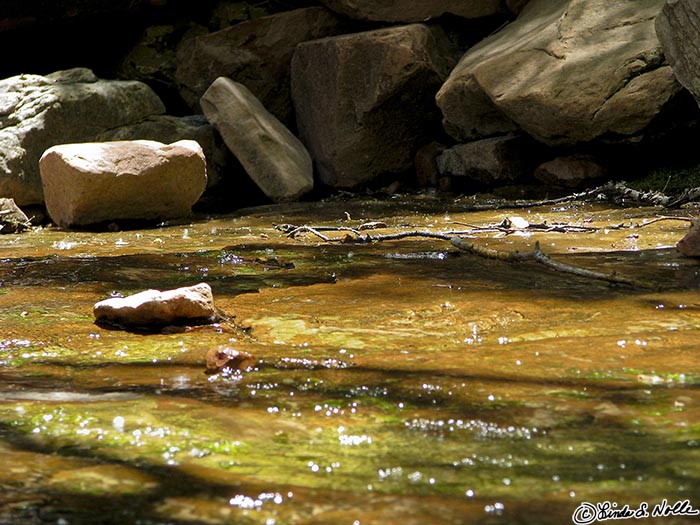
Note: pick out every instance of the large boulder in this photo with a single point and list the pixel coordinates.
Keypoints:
(412, 10)
(37, 112)
(273, 157)
(678, 26)
(565, 71)
(91, 183)
(255, 53)
(365, 102)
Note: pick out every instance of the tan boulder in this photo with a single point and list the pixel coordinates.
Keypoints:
(273, 157)
(365, 102)
(566, 72)
(496, 160)
(412, 10)
(90, 183)
(689, 245)
(155, 308)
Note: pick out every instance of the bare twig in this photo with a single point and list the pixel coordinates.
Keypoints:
(539, 256)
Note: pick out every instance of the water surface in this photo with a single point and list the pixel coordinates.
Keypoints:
(401, 382)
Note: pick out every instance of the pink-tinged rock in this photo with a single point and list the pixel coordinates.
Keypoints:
(155, 308)
(689, 245)
(95, 182)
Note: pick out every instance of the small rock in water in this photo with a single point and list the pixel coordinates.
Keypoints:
(689, 245)
(156, 309)
(224, 357)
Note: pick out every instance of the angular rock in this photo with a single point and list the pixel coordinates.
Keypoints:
(689, 245)
(256, 53)
(412, 10)
(497, 160)
(273, 157)
(677, 27)
(573, 171)
(565, 71)
(364, 101)
(155, 308)
(89, 183)
(37, 112)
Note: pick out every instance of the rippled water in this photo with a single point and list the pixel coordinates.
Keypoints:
(400, 382)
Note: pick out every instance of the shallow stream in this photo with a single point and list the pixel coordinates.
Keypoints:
(401, 382)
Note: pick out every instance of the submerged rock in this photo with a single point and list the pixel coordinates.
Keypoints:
(12, 219)
(105, 181)
(224, 358)
(365, 101)
(155, 308)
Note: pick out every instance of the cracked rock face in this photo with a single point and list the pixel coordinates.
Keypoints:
(566, 72)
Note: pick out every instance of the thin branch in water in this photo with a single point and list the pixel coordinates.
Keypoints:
(540, 257)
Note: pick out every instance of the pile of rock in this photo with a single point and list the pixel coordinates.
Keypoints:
(352, 94)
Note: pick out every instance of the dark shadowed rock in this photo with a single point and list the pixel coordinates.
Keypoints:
(413, 10)
(689, 245)
(365, 102)
(256, 54)
(273, 157)
(497, 160)
(678, 27)
(425, 161)
(565, 71)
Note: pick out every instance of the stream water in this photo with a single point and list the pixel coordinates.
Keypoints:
(401, 382)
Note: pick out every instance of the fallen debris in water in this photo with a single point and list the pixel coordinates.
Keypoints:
(155, 309)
